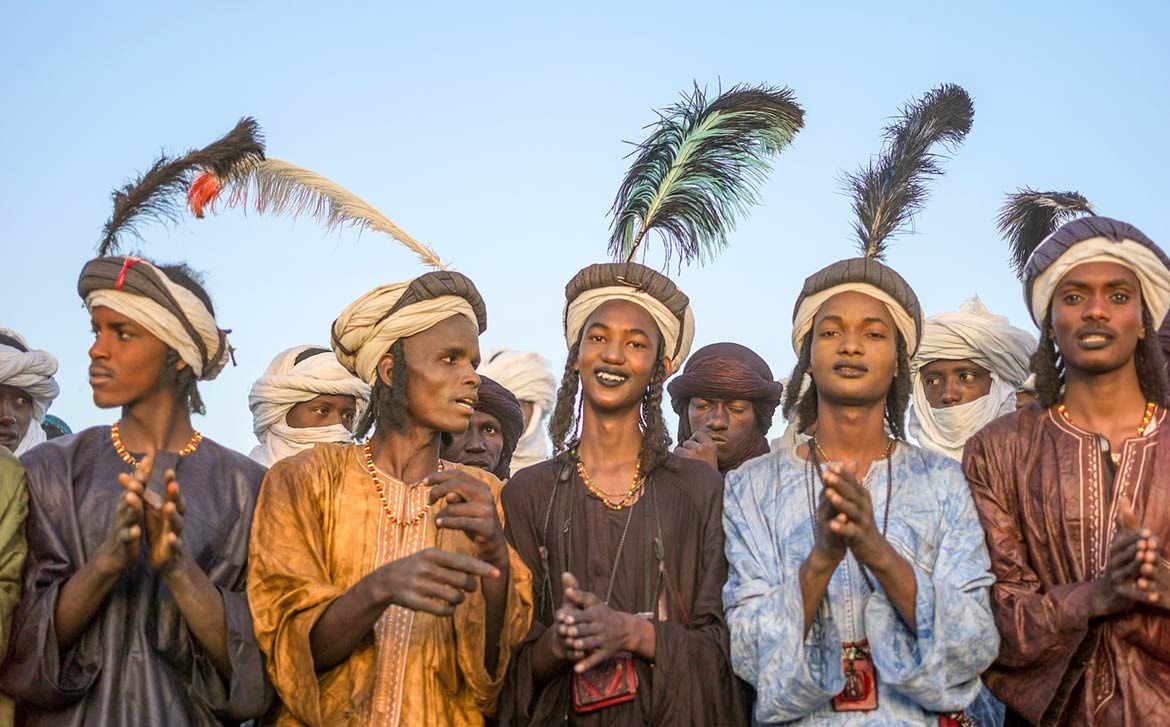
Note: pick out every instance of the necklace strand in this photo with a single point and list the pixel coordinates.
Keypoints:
(1146, 418)
(612, 500)
(120, 448)
(368, 453)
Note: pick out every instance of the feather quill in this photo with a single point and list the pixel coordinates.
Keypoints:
(700, 168)
(157, 194)
(1029, 216)
(890, 190)
(280, 187)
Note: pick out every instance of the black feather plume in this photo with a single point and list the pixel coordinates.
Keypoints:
(891, 189)
(160, 193)
(700, 167)
(1029, 216)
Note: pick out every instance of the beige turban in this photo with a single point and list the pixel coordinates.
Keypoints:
(370, 325)
(31, 371)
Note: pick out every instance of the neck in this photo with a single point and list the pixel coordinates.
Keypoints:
(1101, 402)
(610, 439)
(407, 454)
(856, 433)
(161, 423)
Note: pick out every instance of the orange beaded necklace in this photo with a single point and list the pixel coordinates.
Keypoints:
(368, 452)
(116, 436)
(1146, 418)
(613, 500)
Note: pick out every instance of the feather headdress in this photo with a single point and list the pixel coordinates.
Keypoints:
(1029, 216)
(157, 194)
(700, 167)
(279, 187)
(891, 189)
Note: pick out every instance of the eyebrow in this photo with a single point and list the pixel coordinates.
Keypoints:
(1118, 283)
(866, 321)
(599, 324)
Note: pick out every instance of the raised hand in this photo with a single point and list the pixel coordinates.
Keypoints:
(594, 632)
(433, 580)
(1130, 555)
(123, 543)
(854, 522)
(700, 446)
(471, 507)
(164, 528)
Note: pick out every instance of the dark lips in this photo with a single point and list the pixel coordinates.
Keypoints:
(850, 370)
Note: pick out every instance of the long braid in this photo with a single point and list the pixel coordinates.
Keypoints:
(387, 403)
(655, 447)
(563, 421)
(1151, 364)
(898, 397)
(185, 388)
(1046, 363)
(802, 408)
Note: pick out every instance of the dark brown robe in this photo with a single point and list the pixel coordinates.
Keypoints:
(137, 663)
(1042, 489)
(691, 681)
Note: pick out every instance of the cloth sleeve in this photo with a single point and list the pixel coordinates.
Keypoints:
(288, 586)
(1040, 630)
(794, 674)
(955, 640)
(13, 550)
(471, 630)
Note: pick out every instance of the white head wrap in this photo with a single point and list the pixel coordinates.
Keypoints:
(1151, 272)
(363, 333)
(163, 324)
(803, 320)
(677, 339)
(527, 376)
(285, 384)
(31, 372)
(970, 334)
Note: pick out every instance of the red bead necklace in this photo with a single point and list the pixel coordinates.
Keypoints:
(368, 452)
(116, 436)
(1146, 418)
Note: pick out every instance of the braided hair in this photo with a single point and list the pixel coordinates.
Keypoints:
(804, 408)
(387, 403)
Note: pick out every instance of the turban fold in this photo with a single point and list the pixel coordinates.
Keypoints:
(301, 373)
(527, 376)
(728, 371)
(970, 334)
(172, 313)
(31, 371)
(650, 290)
(370, 325)
(502, 404)
(1096, 239)
(863, 275)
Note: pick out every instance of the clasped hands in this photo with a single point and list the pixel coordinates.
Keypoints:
(586, 631)
(845, 522)
(1135, 573)
(137, 513)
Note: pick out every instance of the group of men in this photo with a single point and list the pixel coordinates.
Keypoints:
(403, 547)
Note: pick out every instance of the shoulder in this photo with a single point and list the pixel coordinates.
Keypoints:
(533, 481)
(233, 461)
(1011, 426)
(691, 481)
(59, 458)
(758, 472)
(312, 468)
(482, 475)
(11, 475)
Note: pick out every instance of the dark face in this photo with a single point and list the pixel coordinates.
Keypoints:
(323, 411)
(126, 362)
(480, 446)
(950, 383)
(730, 422)
(854, 350)
(618, 353)
(1097, 318)
(16, 413)
(442, 385)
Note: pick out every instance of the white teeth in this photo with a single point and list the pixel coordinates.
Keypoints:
(614, 378)
(1094, 338)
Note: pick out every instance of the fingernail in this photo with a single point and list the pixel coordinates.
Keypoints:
(439, 522)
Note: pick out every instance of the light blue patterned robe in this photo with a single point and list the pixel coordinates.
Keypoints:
(933, 524)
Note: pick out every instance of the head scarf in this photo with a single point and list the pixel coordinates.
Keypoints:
(863, 275)
(301, 373)
(1096, 239)
(728, 371)
(502, 404)
(648, 289)
(31, 371)
(970, 334)
(172, 313)
(370, 325)
(527, 376)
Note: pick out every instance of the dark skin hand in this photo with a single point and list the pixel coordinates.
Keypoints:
(196, 596)
(700, 446)
(433, 581)
(1134, 573)
(593, 632)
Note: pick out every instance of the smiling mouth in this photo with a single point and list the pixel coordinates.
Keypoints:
(1094, 340)
(610, 378)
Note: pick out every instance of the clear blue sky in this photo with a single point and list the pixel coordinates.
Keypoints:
(494, 132)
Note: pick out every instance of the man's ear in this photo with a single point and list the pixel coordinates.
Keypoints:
(669, 366)
(180, 365)
(386, 369)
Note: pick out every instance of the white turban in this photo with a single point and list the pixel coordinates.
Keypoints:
(32, 372)
(677, 338)
(803, 320)
(364, 331)
(970, 334)
(1151, 272)
(287, 383)
(163, 323)
(527, 376)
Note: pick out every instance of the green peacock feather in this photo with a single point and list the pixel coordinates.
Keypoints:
(700, 168)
